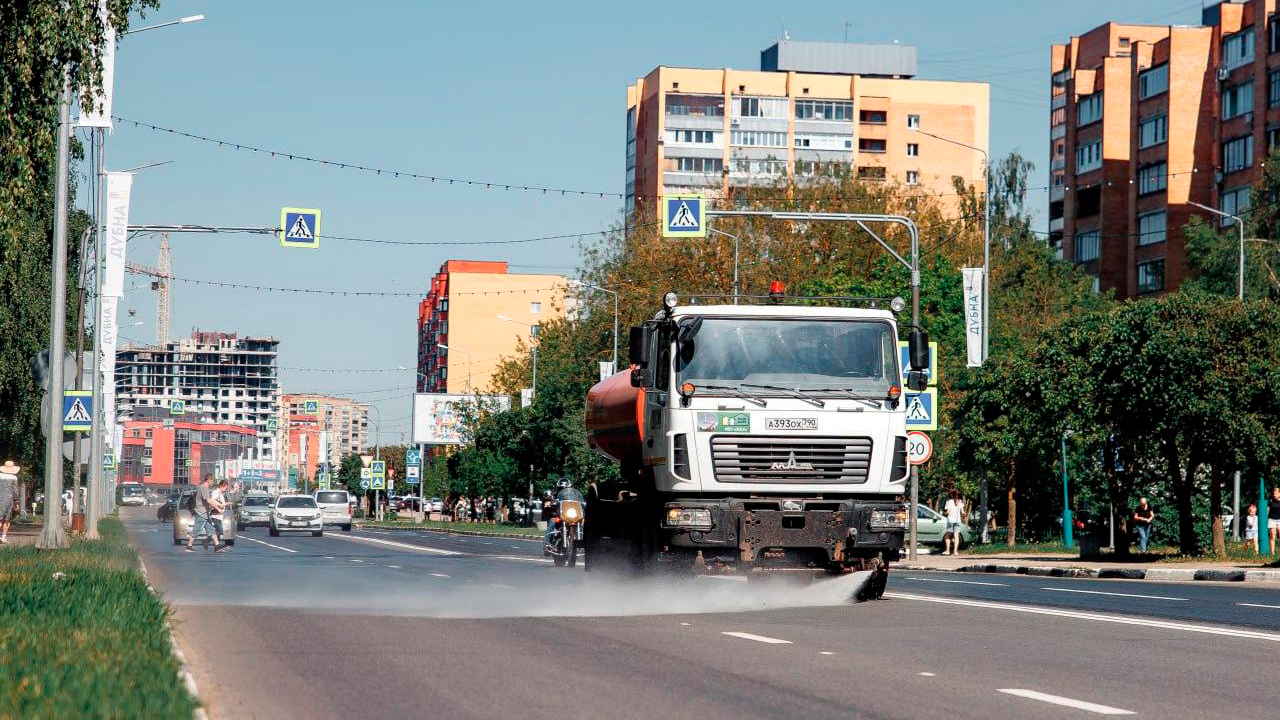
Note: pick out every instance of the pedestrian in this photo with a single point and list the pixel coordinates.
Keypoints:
(201, 508)
(954, 510)
(1251, 527)
(1143, 516)
(8, 497)
(1273, 519)
(218, 501)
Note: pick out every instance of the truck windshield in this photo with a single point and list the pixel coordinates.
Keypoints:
(817, 355)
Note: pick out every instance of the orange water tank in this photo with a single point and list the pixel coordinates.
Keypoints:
(615, 418)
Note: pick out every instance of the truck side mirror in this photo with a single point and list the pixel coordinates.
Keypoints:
(918, 344)
(640, 345)
(640, 377)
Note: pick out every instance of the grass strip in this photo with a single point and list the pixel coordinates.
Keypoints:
(81, 636)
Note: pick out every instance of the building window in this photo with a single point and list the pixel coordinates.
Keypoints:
(1237, 49)
(758, 138)
(1234, 202)
(1237, 154)
(1151, 276)
(1087, 246)
(1153, 131)
(697, 165)
(760, 167)
(692, 137)
(1153, 178)
(1237, 100)
(871, 173)
(870, 145)
(1089, 157)
(695, 105)
(535, 330)
(823, 141)
(1151, 228)
(913, 121)
(535, 308)
(1153, 81)
(760, 107)
(913, 177)
(1273, 138)
(1273, 88)
(872, 117)
(1089, 109)
(913, 150)
(824, 110)
(1273, 35)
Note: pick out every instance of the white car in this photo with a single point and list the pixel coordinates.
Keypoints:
(335, 508)
(296, 513)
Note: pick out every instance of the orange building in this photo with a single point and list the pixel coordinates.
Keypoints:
(813, 108)
(175, 452)
(1147, 119)
(303, 452)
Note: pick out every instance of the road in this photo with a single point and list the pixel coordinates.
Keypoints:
(395, 624)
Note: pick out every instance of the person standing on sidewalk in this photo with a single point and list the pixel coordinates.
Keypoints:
(1143, 516)
(954, 510)
(1273, 518)
(8, 497)
(1251, 527)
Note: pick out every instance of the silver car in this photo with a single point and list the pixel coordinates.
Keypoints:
(296, 513)
(255, 510)
(182, 522)
(335, 508)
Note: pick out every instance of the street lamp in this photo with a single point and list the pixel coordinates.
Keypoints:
(442, 346)
(615, 316)
(1066, 498)
(1240, 227)
(736, 242)
(986, 237)
(179, 21)
(533, 347)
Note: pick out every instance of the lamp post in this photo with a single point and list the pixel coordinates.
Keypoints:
(179, 21)
(533, 347)
(1240, 227)
(986, 237)
(615, 316)
(736, 243)
(1066, 497)
(445, 347)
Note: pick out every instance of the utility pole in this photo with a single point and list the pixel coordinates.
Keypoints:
(52, 535)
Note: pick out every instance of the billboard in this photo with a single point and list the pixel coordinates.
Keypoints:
(437, 417)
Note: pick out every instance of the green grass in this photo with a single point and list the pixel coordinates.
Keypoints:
(466, 526)
(90, 644)
(1019, 549)
(1236, 553)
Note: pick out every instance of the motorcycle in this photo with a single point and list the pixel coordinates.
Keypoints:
(566, 534)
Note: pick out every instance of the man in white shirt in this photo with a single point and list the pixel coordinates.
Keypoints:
(954, 510)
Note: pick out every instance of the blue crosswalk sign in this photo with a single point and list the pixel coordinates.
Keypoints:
(922, 409)
(300, 227)
(412, 457)
(684, 216)
(77, 410)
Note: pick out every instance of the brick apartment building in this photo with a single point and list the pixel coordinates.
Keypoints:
(1147, 119)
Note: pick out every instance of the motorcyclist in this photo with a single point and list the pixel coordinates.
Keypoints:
(550, 513)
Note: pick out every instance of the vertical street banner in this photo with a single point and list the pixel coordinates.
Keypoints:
(119, 186)
(98, 112)
(973, 279)
(108, 335)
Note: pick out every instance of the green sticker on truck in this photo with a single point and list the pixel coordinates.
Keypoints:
(725, 422)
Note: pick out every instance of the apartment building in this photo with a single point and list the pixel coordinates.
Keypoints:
(811, 109)
(344, 422)
(475, 314)
(158, 449)
(1146, 120)
(221, 377)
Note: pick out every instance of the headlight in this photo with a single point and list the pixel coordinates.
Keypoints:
(689, 517)
(889, 518)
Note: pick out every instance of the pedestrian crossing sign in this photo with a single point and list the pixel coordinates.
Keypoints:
(177, 407)
(684, 216)
(922, 409)
(299, 227)
(311, 407)
(77, 410)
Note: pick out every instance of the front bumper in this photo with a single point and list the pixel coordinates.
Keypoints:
(766, 530)
(289, 524)
(251, 520)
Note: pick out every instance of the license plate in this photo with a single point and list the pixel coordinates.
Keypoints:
(791, 423)
(299, 522)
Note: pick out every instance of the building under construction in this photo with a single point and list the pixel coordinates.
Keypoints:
(220, 377)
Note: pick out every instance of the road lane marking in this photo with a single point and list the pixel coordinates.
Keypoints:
(1066, 702)
(350, 560)
(927, 674)
(685, 624)
(328, 557)
(521, 559)
(957, 582)
(757, 638)
(1273, 607)
(1099, 592)
(439, 575)
(393, 567)
(242, 537)
(393, 543)
(1097, 617)
(824, 652)
(731, 578)
(501, 586)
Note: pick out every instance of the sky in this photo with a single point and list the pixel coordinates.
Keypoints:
(503, 92)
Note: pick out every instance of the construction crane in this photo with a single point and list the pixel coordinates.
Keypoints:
(161, 282)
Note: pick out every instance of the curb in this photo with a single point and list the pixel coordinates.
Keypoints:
(471, 533)
(184, 673)
(1167, 574)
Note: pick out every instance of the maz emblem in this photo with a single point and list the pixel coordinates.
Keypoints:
(791, 464)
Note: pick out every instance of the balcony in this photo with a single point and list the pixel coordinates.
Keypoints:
(1056, 193)
(1058, 101)
(1057, 132)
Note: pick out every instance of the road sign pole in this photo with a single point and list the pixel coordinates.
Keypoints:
(1264, 539)
(1066, 500)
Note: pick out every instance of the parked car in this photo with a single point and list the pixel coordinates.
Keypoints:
(296, 513)
(930, 526)
(409, 503)
(335, 508)
(164, 513)
(254, 510)
(435, 505)
(182, 522)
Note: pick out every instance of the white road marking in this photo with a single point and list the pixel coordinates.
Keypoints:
(1096, 617)
(515, 547)
(732, 578)
(393, 543)
(926, 674)
(501, 586)
(439, 575)
(1273, 607)
(350, 560)
(685, 624)
(1099, 592)
(757, 638)
(1066, 702)
(393, 567)
(824, 652)
(956, 582)
(328, 557)
(521, 559)
(267, 544)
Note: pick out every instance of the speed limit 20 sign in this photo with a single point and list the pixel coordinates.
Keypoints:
(919, 448)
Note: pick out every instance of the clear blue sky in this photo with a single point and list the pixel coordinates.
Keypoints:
(520, 92)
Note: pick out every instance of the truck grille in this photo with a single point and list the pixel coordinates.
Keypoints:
(791, 459)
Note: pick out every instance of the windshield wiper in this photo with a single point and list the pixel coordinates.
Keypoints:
(845, 392)
(789, 391)
(736, 393)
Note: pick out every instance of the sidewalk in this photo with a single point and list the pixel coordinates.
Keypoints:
(1064, 565)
